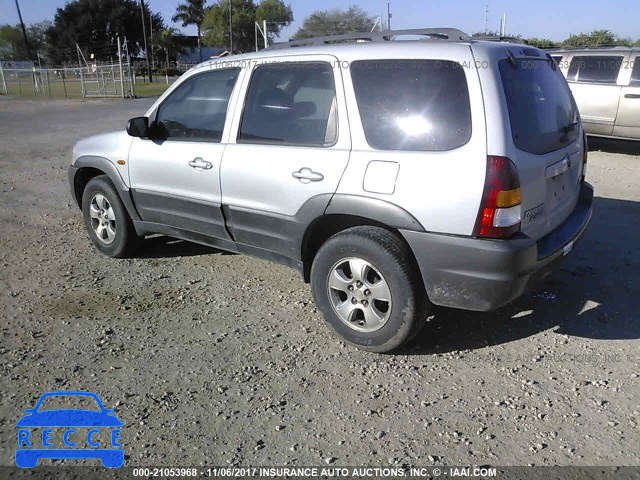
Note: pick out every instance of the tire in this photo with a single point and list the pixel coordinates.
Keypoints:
(106, 219)
(388, 291)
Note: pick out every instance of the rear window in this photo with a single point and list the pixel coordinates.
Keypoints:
(412, 104)
(594, 68)
(542, 111)
(635, 73)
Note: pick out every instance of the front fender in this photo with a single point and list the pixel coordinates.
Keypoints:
(76, 178)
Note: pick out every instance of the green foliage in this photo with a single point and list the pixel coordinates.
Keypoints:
(95, 24)
(543, 43)
(593, 39)
(191, 12)
(167, 45)
(12, 46)
(335, 22)
(244, 15)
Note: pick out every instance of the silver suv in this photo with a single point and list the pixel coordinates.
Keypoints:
(393, 175)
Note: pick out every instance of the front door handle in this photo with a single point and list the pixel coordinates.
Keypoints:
(632, 95)
(200, 163)
(306, 175)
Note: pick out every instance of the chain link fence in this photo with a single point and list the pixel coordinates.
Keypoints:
(110, 80)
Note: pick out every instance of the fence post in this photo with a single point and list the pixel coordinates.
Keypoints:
(120, 64)
(48, 83)
(84, 92)
(64, 85)
(4, 82)
(19, 84)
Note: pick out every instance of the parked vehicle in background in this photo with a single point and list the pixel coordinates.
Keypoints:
(393, 175)
(605, 82)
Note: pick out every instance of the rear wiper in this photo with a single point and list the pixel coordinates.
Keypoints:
(567, 128)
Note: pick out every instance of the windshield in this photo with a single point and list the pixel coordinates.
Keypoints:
(542, 111)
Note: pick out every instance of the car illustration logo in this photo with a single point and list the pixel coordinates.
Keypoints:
(69, 433)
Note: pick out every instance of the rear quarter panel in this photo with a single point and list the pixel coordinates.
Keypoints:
(442, 190)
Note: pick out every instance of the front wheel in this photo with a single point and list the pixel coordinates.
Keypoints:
(365, 282)
(108, 223)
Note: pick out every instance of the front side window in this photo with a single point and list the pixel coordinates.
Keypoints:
(412, 104)
(291, 104)
(594, 68)
(197, 109)
(542, 112)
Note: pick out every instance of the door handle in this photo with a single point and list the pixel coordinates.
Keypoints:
(632, 95)
(306, 175)
(200, 163)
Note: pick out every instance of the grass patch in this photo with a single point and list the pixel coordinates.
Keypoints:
(71, 88)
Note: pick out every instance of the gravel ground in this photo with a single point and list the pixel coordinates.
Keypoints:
(215, 359)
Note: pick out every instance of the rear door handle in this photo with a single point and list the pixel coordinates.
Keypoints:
(200, 163)
(306, 175)
(632, 95)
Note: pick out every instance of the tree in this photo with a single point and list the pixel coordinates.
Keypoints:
(335, 22)
(168, 43)
(244, 15)
(95, 24)
(593, 39)
(276, 14)
(191, 13)
(12, 46)
(543, 43)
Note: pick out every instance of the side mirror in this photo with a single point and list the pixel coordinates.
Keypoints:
(138, 127)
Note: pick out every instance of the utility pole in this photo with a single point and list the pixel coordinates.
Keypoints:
(230, 30)
(24, 31)
(153, 63)
(389, 15)
(144, 36)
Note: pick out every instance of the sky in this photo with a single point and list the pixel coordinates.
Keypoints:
(551, 19)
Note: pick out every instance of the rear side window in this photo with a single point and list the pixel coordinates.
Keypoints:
(594, 68)
(197, 109)
(412, 104)
(542, 112)
(635, 73)
(291, 104)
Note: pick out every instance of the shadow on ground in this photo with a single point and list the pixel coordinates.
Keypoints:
(609, 145)
(591, 295)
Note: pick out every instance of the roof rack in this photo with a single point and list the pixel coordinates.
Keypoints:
(447, 34)
(496, 38)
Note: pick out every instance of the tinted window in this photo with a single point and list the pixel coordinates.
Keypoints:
(594, 68)
(542, 111)
(635, 73)
(290, 104)
(557, 59)
(412, 104)
(196, 110)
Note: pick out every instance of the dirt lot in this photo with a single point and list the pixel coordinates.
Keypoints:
(216, 359)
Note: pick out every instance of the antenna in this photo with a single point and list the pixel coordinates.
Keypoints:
(486, 17)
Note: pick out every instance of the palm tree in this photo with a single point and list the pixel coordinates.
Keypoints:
(168, 42)
(191, 13)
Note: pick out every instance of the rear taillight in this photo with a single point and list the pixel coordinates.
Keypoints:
(585, 154)
(500, 212)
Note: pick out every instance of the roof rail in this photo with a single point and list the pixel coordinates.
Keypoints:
(608, 46)
(447, 34)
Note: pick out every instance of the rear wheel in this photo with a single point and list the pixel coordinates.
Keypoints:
(365, 282)
(108, 223)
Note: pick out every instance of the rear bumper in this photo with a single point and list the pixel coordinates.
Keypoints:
(481, 274)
